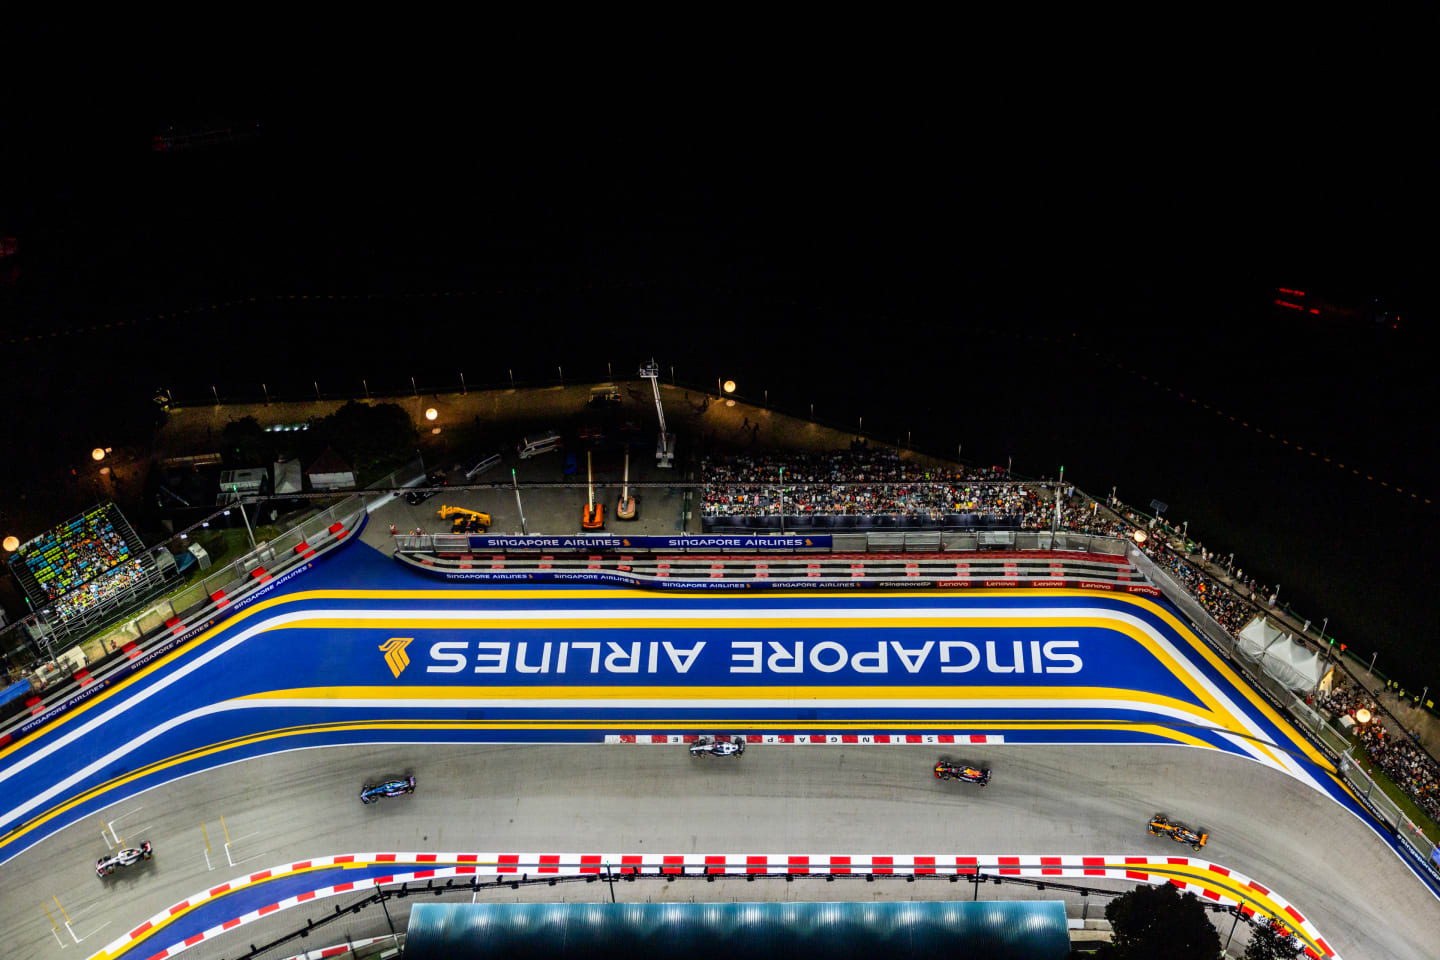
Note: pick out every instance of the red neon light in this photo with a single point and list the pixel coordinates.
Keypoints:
(1314, 310)
(1296, 293)
(1288, 305)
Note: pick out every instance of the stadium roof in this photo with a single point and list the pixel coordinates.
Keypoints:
(1032, 930)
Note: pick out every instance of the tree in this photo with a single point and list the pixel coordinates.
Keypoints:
(1271, 941)
(366, 434)
(1157, 923)
(247, 444)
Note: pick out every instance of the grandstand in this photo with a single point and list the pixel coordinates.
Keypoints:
(862, 489)
(85, 564)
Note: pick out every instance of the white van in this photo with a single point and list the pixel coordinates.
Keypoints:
(536, 444)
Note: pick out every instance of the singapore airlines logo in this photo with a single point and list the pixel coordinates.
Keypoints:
(394, 650)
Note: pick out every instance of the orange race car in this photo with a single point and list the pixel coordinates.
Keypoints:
(1161, 825)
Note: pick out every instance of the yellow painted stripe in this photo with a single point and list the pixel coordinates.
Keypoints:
(1229, 722)
(561, 693)
(1260, 703)
(455, 724)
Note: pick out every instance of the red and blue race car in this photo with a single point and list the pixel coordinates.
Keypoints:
(947, 770)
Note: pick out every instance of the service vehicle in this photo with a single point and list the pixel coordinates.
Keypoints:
(707, 747)
(964, 772)
(538, 443)
(464, 520)
(122, 858)
(1162, 826)
(399, 787)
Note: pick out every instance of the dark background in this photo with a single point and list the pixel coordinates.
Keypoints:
(940, 256)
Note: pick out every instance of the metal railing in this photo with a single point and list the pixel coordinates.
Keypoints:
(1307, 718)
(55, 678)
(1386, 808)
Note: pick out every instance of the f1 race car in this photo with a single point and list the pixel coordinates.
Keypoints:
(945, 770)
(122, 858)
(390, 788)
(1161, 825)
(705, 747)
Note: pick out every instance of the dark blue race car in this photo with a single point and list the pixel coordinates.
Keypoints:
(390, 788)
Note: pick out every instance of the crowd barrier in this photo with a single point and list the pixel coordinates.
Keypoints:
(1308, 719)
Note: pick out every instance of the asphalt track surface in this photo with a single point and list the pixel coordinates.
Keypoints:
(653, 799)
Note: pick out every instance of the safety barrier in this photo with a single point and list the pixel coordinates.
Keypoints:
(234, 586)
(1089, 571)
(878, 542)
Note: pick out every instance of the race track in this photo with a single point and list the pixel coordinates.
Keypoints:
(655, 799)
(1096, 711)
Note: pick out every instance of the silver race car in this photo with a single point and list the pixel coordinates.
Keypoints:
(122, 858)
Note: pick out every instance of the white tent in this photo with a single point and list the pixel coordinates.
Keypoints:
(1293, 664)
(287, 477)
(1257, 635)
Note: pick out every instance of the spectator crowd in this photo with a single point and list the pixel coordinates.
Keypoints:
(864, 483)
(1408, 767)
(95, 592)
(72, 554)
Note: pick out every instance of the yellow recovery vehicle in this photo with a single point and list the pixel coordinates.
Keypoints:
(466, 521)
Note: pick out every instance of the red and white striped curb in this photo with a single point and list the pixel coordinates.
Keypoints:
(1207, 880)
(812, 738)
(339, 950)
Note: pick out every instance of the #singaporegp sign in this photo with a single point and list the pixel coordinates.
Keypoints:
(577, 658)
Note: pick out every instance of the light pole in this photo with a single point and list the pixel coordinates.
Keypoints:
(1372, 663)
(393, 937)
(1236, 911)
(518, 506)
(782, 501)
(248, 532)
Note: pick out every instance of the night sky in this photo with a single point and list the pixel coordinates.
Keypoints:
(972, 255)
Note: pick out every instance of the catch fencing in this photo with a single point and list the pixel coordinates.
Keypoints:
(1334, 742)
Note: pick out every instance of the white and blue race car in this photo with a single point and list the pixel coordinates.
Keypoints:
(122, 858)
